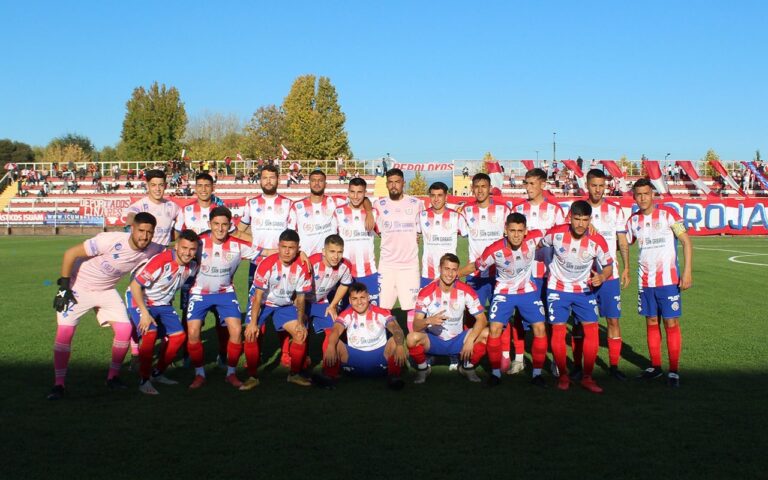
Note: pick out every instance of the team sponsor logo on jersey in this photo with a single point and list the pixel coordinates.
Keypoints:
(118, 246)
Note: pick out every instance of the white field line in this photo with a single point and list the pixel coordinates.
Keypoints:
(735, 258)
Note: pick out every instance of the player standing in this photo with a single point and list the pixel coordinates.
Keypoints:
(220, 255)
(439, 227)
(89, 273)
(609, 221)
(151, 296)
(576, 252)
(513, 258)
(312, 217)
(397, 220)
(656, 230)
(165, 211)
(438, 326)
(279, 278)
(367, 352)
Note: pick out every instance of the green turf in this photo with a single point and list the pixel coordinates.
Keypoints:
(712, 427)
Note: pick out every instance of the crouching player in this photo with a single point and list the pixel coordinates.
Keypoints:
(279, 278)
(330, 271)
(367, 352)
(514, 259)
(438, 327)
(151, 296)
(570, 287)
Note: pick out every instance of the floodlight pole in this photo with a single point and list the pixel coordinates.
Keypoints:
(554, 147)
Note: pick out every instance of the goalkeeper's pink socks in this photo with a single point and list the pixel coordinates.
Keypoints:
(61, 350)
(120, 346)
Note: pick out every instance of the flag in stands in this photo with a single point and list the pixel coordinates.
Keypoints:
(720, 169)
(528, 164)
(690, 170)
(654, 174)
(574, 167)
(494, 171)
(283, 152)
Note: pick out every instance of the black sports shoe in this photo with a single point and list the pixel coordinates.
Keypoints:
(616, 373)
(576, 374)
(115, 383)
(493, 381)
(538, 381)
(395, 383)
(650, 373)
(57, 393)
(673, 380)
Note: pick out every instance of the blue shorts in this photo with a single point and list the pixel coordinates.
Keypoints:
(482, 286)
(541, 287)
(529, 305)
(225, 304)
(365, 363)
(320, 321)
(168, 321)
(438, 346)
(374, 287)
(561, 304)
(425, 281)
(609, 298)
(665, 301)
(280, 316)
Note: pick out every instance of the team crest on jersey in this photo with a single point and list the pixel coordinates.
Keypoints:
(585, 255)
(675, 306)
(559, 237)
(118, 246)
(229, 256)
(657, 226)
(493, 218)
(409, 211)
(387, 225)
(499, 254)
(308, 227)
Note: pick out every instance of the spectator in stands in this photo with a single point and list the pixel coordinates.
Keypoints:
(44, 190)
(555, 170)
(116, 172)
(130, 174)
(545, 167)
(511, 178)
(73, 186)
(187, 191)
(228, 165)
(82, 173)
(96, 178)
(343, 175)
(252, 178)
(593, 164)
(239, 177)
(566, 188)
(676, 173)
(339, 164)
(465, 172)
(128, 185)
(356, 174)
(293, 177)
(99, 187)
(379, 171)
(580, 163)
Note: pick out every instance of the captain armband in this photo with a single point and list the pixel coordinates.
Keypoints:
(678, 228)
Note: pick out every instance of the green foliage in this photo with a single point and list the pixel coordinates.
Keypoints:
(707, 169)
(264, 133)
(154, 125)
(213, 136)
(417, 185)
(757, 155)
(85, 144)
(314, 122)
(15, 152)
(108, 155)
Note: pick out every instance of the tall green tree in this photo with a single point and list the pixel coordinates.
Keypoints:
(154, 125)
(314, 122)
(16, 152)
(265, 132)
(417, 185)
(85, 144)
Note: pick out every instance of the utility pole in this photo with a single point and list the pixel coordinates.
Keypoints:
(554, 147)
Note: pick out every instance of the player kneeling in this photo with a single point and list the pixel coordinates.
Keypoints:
(367, 352)
(151, 310)
(438, 328)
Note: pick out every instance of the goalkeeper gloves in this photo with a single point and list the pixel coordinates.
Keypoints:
(64, 297)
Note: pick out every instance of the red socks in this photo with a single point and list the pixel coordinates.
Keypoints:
(518, 335)
(169, 351)
(195, 351)
(478, 351)
(539, 351)
(298, 351)
(591, 345)
(614, 351)
(494, 352)
(674, 343)
(234, 350)
(252, 357)
(417, 354)
(393, 369)
(654, 344)
(559, 348)
(146, 349)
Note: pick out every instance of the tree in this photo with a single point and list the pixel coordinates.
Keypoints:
(56, 153)
(16, 152)
(265, 132)
(710, 155)
(314, 122)
(417, 185)
(213, 135)
(81, 141)
(154, 125)
(108, 155)
(757, 155)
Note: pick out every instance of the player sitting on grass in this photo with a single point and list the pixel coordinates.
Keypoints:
(151, 296)
(282, 280)
(438, 327)
(367, 352)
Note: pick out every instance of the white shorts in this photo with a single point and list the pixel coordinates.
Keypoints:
(107, 304)
(399, 283)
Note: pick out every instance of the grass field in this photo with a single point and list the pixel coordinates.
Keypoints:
(712, 427)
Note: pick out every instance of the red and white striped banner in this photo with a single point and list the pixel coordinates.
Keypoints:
(615, 171)
(574, 167)
(690, 170)
(494, 171)
(720, 169)
(528, 164)
(653, 170)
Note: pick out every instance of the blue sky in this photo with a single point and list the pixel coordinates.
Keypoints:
(424, 81)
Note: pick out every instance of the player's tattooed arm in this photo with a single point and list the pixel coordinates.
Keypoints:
(624, 252)
(145, 319)
(300, 303)
(396, 331)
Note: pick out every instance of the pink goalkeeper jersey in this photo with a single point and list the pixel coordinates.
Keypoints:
(483, 226)
(314, 222)
(542, 217)
(280, 282)
(358, 242)
(439, 232)
(325, 278)
(657, 263)
(161, 277)
(610, 222)
(513, 267)
(268, 218)
(574, 258)
(366, 331)
(432, 299)
(165, 213)
(111, 258)
(219, 262)
(398, 225)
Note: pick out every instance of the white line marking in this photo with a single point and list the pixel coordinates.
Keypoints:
(734, 259)
(728, 251)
